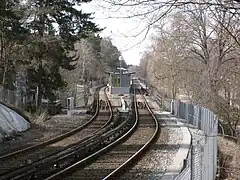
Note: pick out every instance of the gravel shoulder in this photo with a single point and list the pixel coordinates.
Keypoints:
(44, 130)
(55, 147)
(41, 132)
(155, 162)
(106, 163)
(162, 157)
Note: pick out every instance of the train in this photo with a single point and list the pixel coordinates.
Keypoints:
(140, 86)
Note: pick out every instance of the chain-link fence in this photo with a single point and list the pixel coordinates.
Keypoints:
(201, 162)
(78, 92)
(202, 158)
(163, 102)
(15, 98)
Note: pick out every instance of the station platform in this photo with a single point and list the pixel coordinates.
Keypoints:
(115, 99)
(180, 135)
(171, 122)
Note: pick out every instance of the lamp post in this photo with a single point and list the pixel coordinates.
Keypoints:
(120, 60)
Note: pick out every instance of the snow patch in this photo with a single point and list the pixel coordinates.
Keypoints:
(11, 122)
(164, 112)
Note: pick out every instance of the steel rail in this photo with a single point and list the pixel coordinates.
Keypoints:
(64, 153)
(71, 168)
(139, 153)
(55, 139)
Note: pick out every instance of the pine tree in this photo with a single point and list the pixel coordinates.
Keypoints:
(55, 26)
(110, 54)
(12, 35)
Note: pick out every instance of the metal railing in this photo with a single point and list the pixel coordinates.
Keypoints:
(203, 154)
(201, 163)
(15, 98)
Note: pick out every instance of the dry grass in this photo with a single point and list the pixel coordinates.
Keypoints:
(39, 119)
(229, 162)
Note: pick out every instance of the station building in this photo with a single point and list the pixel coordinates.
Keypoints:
(120, 81)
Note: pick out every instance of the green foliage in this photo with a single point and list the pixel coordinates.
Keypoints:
(12, 35)
(110, 53)
(54, 26)
(36, 36)
(10, 16)
(94, 57)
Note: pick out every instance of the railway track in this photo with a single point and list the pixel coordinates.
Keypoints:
(95, 124)
(49, 128)
(119, 154)
(118, 143)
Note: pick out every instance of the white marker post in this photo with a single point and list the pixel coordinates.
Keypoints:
(123, 104)
(70, 106)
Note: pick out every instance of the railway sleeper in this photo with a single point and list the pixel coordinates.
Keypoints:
(79, 154)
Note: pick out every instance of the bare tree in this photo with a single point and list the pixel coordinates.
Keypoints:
(151, 12)
(198, 56)
(92, 58)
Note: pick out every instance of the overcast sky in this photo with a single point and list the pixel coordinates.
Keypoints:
(122, 31)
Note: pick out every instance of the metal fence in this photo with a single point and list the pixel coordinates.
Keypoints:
(201, 163)
(15, 98)
(77, 92)
(162, 101)
(18, 98)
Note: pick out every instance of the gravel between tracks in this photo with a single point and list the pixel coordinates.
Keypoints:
(106, 163)
(155, 162)
(26, 158)
(38, 133)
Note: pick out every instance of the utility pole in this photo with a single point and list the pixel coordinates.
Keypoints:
(36, 96)
(120, 84)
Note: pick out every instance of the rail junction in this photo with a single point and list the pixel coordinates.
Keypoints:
(113, 144)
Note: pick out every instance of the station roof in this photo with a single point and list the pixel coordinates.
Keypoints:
(118, 73)
(124, 69)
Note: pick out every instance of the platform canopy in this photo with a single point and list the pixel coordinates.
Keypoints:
(129, 73)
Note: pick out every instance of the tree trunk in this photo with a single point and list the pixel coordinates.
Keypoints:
(4, 72)
(3, 60)
(86, 94)
(39, 94)
(40, 57)
(173, 91)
